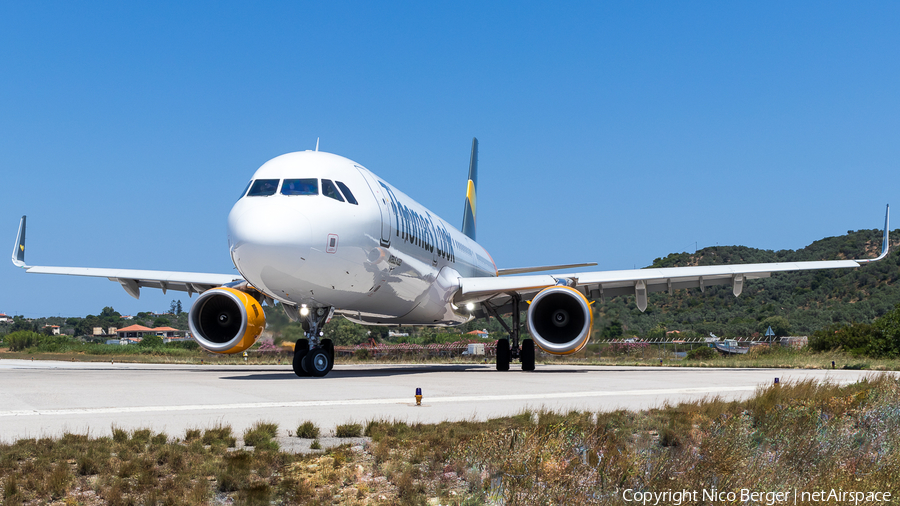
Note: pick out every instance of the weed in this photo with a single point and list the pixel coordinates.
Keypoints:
(220, 434)
(119, 435)
(308, 430)
(348, 430)
(261, 435)
(315, 445)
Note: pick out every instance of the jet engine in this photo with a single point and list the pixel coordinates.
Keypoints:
(225, 320)
(560, 320)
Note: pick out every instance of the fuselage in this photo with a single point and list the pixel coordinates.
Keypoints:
(317, 229)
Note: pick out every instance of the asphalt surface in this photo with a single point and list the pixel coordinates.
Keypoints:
(48, 398)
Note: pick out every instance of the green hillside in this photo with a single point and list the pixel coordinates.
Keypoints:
(808, 301)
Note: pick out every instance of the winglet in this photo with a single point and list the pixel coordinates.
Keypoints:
(468, 226)
(885, 242)
(18, 254)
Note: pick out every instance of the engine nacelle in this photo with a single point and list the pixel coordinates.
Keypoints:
(560, 320)
(225, 320)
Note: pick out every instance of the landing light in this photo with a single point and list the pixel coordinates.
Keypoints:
(470, 306)
(304, 310)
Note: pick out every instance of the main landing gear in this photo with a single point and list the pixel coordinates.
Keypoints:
(508, 349)
(314, 356)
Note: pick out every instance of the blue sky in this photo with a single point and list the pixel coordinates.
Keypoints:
(610, 132)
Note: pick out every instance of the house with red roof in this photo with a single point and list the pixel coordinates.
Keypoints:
(139, 331)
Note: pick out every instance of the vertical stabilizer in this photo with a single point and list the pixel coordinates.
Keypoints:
(468, 226)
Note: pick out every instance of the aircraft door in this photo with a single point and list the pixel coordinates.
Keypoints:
(384, 205)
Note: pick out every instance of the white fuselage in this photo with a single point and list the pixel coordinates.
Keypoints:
(384, 260)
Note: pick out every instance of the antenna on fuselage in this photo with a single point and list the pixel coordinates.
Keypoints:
(317, 143)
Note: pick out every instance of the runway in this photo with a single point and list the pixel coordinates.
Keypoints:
(48, 398)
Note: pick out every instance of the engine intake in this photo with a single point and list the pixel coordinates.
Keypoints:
(225, 320)
(560, 320)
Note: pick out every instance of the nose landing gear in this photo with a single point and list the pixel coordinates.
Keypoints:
(314, 356)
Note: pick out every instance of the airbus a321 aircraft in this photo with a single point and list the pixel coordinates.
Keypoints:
(323, 235)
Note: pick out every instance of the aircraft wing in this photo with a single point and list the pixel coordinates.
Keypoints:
(131, 279)
(640, 282)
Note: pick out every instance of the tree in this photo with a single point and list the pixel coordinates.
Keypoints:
(779, 324)
(178, 308)
(888, 338)
(109, 313)
(344, 332)
(162, 321)
(20, 323)
(612, 331)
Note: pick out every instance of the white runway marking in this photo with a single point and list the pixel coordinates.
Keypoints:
(366, 402)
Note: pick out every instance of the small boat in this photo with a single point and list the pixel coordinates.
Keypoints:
(730, 346)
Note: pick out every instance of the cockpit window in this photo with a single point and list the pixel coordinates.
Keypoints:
(329, 190)
(300, 187)
(245, 190)
(346, 191)
(263, 188)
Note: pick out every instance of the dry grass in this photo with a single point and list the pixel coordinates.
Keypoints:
(805, 436)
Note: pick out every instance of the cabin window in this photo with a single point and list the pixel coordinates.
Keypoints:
(263, 188)
(346, 191)
(329, 190)
(300, 187)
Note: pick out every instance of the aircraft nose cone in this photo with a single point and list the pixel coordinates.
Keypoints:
(266, 236)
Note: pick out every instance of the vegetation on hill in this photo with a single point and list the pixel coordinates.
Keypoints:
(798, 303)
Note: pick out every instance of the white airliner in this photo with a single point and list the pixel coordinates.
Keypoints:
(323, 235)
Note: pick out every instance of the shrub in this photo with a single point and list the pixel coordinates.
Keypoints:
(348, 430)
(23, 339)
(151, 341)
(308, 430)
(704, 353)
(260, 436)
(856, 338)
(219, 434)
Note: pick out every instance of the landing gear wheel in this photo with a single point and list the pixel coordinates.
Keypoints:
(502, 354)
(300, 351)
(317, 362)
(328, 346)
(527, 355)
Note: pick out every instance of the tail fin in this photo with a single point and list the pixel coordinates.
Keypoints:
(468, 226)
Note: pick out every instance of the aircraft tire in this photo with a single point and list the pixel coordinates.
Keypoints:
(503, 354)
(317, 362)
(328, 346)
(300, 351)
(527, 355)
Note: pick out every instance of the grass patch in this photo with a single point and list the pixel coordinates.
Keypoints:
(308, 430)
(261, 436)
(348, 430)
